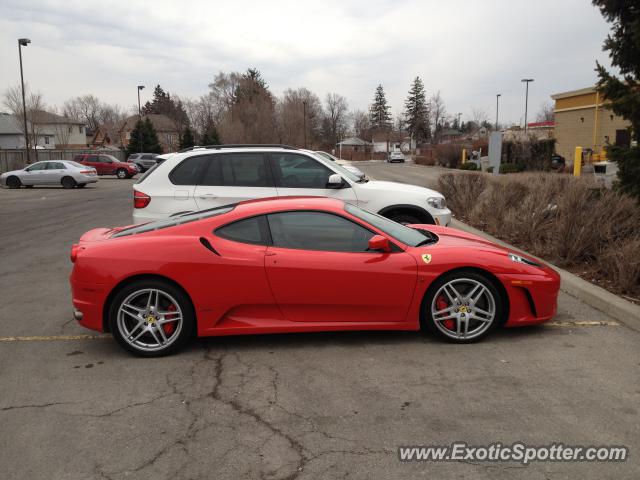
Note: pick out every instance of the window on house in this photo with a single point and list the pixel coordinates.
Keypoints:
(81, 129)
(46, 140)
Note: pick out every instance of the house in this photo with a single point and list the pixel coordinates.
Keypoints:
(450, 135)
(168, 132)
(104, 137)
(387, 141)
(583, 119)
(353, 148)
(49, 130)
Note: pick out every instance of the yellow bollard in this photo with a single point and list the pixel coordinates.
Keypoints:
(464, 156)
(577, 162)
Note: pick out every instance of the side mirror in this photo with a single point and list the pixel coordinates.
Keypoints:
(378, 243)
(335, 181)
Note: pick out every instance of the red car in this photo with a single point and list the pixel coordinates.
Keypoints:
(298, 264)
(107, 165)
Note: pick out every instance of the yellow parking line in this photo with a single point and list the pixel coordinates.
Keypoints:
(52, 338)
(585, 323)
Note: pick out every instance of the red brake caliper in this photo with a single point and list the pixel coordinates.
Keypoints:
(169, 327)
(441, 304)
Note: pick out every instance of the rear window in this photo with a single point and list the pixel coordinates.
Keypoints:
(174, 221)
(75, 164)
(250, 230)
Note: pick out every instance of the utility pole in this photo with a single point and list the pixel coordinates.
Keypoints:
(498, 95)
(140, 87)
(526, 101)
(304, 121)
(23, 42)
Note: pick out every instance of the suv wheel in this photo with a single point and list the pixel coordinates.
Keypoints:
(121, 173)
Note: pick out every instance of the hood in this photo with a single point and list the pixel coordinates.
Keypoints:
(381, 186)
(452, 237)
(12, 172)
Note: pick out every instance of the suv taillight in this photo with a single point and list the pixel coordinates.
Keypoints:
(140, 200)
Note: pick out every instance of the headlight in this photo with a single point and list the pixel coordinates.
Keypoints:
(518, 259)
(437, 202)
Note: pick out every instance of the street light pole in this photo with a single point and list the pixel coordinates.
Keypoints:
(304, 121)
(23, 42)
(140, 87)
(498, 95)
(526, 102)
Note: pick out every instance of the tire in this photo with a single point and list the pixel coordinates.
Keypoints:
(121, 173)
(82, 185)
(68, 182)
(28, 186)
(140, 331)
(14, 182)
(446, 315)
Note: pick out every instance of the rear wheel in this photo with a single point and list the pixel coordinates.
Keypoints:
(121, 173)
(68, 182)
(462, 307)
(151, 318)
(82, 185)
(13, 182)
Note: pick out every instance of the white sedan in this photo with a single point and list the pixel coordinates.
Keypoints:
(51, 172)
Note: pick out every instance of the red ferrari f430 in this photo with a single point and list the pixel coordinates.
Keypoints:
(299, 264)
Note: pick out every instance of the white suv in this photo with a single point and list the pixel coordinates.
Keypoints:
(207, 177)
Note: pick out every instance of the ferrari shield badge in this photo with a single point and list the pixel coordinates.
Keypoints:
(426, 258)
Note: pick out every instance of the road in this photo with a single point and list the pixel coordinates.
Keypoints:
(302, 406)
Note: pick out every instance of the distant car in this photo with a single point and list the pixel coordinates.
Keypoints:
(396, 156)
(557, 162)
(346, 166)
(299, 264)
(107, 165)
(144, 161)
(52, 172)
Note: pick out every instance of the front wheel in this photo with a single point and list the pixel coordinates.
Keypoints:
(13, 182)
(462, 307)
(121, 173)
(151, 318)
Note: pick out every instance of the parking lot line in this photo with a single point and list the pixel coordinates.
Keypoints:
(53, 338)
(586, 323)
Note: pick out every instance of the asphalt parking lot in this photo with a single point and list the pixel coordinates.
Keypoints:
(301, 406)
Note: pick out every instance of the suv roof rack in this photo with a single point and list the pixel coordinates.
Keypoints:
(239, 145)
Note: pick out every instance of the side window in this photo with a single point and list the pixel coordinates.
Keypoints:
(146, 157)
(188, 172)
(55, 166)
(299, 171)
(237, 170)
(92, 158)
(103, 159)
(250, 230)
(36, 167)
(318, 231)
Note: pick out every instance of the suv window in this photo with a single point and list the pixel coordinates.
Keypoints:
(147, 157)
(103, 159)
(250, 230)
(91, 158)
(188, 172)
(299, 171)
(318, 231)
(237, 170)
(78, 158)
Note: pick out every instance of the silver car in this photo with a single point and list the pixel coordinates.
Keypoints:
(346, 166)
(52, 172)
(144, 161)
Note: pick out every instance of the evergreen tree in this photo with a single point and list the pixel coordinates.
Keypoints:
(150, 138)
(136, 141)
(623, 45)
(186, 139)
(379, 111)
(210, 135)
(416, 112)
(163, 104)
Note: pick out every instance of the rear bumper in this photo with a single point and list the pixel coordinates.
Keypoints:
(86, 178)
(533, 299)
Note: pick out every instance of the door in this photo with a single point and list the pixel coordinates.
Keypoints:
(35, 174)
(234, 177)
(55, 171)
(107, 165)
(92, 161)
(298, 174)
(320, 271)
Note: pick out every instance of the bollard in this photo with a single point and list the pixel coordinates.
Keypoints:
(577, 162)
(464, 156)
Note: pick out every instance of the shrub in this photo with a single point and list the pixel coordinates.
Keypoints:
(449, 155)
(469, 166)
(533, 154)
(461, 190)
(511, 168)
(423, 160)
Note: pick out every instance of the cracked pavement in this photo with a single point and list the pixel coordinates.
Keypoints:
(303, 406)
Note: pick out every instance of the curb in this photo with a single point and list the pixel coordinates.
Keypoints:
(594, 296)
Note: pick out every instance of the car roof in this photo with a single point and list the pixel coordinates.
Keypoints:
(277, 204)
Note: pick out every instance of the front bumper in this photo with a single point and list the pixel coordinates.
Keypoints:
(533, 299)
(441, 217)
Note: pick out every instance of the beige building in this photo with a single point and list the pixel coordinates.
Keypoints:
(582, 119)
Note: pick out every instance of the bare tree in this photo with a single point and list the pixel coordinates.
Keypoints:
(35, 107)
(438, 114)
(335, 123)
(93, 112)
(299, 109)
(479, 117)
(361, 124)
(545, 113)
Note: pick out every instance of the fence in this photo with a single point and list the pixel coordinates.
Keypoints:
(17, 159)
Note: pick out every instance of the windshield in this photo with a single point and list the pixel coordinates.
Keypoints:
(406, 235)
(174, 221)
(338, 168)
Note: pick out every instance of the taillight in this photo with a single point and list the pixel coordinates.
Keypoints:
(74, 252)
(140, 200)
(86, 171)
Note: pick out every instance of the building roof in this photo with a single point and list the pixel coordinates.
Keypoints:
(353, 142)
(44, 117)
(574, 93)
(9, 124)
(161, 123)
(548, 124)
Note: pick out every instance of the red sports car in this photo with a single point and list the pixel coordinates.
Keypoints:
(298, 264)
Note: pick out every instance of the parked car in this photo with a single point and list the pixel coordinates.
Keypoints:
(107, 165)
(51, 172)
(204, 178)
(144, 161)
(395, 156)
(299, 264)
(346, 166)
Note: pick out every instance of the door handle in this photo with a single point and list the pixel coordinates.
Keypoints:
(208, 196)
(269, 254)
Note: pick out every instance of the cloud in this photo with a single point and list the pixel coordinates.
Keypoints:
(467, 50)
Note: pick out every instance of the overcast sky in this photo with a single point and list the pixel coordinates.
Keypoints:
(468, 50)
